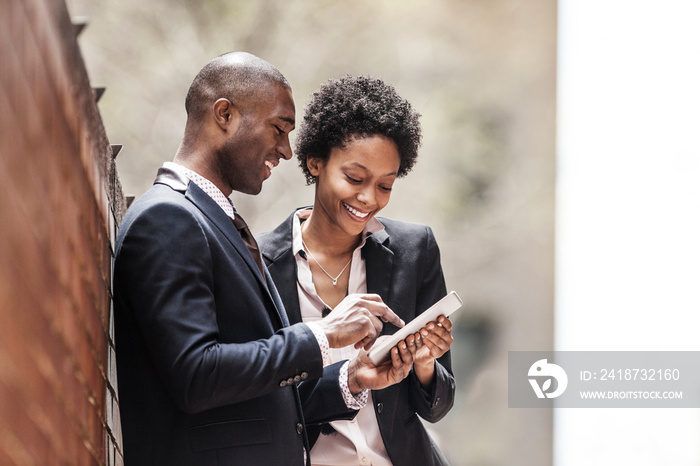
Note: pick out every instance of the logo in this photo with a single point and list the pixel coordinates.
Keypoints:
(542, 370)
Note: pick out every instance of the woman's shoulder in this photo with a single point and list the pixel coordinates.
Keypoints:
(402, 228)
(404, 236)
(275, 242)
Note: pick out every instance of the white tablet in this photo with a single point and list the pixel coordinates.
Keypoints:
(446, 306)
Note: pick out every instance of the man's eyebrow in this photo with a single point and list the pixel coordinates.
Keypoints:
(288, 120)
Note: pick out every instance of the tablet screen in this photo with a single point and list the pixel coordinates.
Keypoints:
(446, 306)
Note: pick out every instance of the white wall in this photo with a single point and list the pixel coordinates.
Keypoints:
(628, 212)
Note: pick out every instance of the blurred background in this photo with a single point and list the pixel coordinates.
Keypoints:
(482, 74)
(596, 101)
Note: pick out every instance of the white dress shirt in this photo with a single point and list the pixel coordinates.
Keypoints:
(357, 442)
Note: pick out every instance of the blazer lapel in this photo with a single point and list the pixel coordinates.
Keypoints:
(223, 222)
(282, 266)
(379, 264)
(277, 300)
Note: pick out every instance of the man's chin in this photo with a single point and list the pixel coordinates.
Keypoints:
(249, 188)
(252, 191)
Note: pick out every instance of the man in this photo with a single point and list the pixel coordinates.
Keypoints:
(207, 363)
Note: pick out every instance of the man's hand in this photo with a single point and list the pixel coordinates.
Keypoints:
(363, 374)
(356, 321)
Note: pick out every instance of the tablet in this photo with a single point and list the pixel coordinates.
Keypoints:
(446, 306)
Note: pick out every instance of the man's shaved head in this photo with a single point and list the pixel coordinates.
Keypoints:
(239, 77)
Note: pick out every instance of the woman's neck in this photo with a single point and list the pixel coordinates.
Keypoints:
(324, 237)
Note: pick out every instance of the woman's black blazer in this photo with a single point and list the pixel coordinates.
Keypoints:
(403, 267)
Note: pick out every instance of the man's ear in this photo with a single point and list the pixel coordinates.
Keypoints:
(226, 114)
(314, 165)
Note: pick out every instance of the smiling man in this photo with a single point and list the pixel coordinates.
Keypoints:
(207, 363)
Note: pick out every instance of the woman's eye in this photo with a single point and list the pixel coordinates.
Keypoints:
(385, 188)
(352, 180)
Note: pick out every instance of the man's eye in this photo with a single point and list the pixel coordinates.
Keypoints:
(279, 130)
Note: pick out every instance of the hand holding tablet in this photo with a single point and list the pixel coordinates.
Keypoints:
(446, 306)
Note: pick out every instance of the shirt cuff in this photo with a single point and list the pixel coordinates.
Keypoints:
(322, 343)
(351, 401)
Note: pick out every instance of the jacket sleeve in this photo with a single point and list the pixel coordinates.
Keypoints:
(322, 399)
(434, 404)
(165, 294)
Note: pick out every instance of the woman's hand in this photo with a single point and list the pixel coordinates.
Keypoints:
(430, 343)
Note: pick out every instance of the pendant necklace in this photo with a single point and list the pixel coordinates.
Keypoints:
(334, 280)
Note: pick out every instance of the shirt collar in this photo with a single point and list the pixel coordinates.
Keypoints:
(372, 227)
(205, 185)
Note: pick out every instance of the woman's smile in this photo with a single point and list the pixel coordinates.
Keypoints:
(359, 214)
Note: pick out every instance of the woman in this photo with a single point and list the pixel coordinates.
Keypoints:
(357, 137)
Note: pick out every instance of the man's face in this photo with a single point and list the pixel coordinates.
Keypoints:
(260, 141)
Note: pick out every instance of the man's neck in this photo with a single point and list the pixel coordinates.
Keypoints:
(197, 165)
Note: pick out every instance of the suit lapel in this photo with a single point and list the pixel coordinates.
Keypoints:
(277, 300)
(224, 223)
(379, 264)
(283, 268)
(285, 273)
(218, 217)
(210, 208)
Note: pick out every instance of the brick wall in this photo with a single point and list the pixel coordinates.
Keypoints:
(59, 206)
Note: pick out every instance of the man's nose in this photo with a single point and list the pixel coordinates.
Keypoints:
(284, 148)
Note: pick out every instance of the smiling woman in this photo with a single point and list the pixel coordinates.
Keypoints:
(354, 183)
(357, 137)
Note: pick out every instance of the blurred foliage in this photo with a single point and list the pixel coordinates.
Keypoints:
(482, 74)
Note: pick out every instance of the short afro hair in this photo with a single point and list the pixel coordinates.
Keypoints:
(352, 107)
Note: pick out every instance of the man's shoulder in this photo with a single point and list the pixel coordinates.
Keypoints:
(160, 204)
(158, 197)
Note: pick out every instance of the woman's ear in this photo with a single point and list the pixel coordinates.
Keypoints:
(226, 115)
(314, 165)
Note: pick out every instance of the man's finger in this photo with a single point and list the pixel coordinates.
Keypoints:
(387, 315)
(378, 326)
(371, 297)
(365, 343)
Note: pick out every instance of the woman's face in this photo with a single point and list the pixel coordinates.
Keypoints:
(355, 182)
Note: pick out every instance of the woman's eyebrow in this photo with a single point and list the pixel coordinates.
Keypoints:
(359, 165)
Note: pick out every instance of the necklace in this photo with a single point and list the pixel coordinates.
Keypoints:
(335, 280)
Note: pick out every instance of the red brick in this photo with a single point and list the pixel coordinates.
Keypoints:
(56, 249)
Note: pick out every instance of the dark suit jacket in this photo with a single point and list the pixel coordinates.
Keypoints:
(207, 363)
(403, 267)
